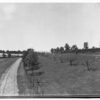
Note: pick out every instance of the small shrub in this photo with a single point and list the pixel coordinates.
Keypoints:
(89, 62)
(63, 59)
(72, 59)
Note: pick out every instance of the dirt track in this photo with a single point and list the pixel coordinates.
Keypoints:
(8, 85)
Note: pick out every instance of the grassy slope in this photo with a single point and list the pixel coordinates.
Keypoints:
(74, 79)
(6, 63)
(62, 78)
(24, 85)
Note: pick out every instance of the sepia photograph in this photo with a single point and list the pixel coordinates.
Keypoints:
(49, 50)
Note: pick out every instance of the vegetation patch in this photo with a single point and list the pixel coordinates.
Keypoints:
(31, 66)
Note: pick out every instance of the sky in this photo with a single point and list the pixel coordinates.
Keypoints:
(43, 26)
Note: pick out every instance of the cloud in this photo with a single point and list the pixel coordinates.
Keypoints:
(7, 11)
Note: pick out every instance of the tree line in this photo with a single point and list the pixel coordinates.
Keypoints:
(9, 53)
(65, 49)
(74, 49)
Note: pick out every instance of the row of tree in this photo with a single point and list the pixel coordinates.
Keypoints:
(65, 49)
(9, 53)
(31, 66)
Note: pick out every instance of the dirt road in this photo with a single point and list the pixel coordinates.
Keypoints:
(8, 82)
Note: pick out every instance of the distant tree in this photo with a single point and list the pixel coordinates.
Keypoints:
(52, 50)
(67, 47)
(33, 57)
(19, 51)
(74, 48)
(93, 47)
(9, 54)
(25, 53)
(57, 50)
(3, 51)
(61, 50)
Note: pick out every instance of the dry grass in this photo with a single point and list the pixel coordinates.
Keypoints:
(75, 79)
(61, 77)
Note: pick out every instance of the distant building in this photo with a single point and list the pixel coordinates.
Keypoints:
(85, 45)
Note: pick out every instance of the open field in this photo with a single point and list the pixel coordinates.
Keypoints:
(72, 79)
(60, 78)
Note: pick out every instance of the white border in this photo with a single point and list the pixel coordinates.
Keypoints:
(49, 1)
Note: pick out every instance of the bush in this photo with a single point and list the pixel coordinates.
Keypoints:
(30, 59)
(63, 59)
(72, 58)
(89, 62)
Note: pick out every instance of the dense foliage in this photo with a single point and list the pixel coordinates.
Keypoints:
(30, 59)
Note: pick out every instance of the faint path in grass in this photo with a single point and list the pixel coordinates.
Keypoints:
(8, 85)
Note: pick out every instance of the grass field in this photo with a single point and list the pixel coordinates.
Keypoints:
(62, 78)
(6, 63)
(75, 79)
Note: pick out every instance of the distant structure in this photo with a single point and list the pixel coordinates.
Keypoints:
(85, 45)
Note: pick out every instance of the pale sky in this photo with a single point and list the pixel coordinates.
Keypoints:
(45, 26)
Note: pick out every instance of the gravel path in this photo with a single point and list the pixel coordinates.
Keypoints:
(8, 85)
